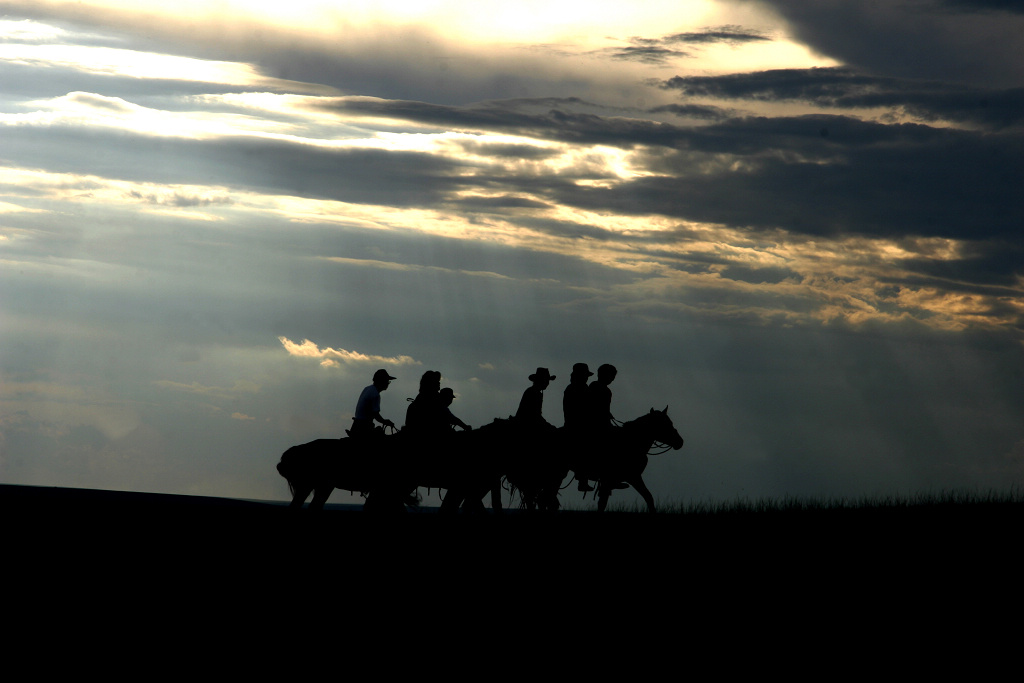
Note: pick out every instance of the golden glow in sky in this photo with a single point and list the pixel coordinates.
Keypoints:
(574, 25)
(521, 21)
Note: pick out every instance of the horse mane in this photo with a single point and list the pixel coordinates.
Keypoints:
(649, 416)
(633, 424)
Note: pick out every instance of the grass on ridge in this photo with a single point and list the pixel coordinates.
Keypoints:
(744, 505)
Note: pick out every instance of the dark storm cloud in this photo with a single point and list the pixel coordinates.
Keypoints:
(984, 5)
(351, 175)
(846, 88)
(561, 124)
(730, 35)
(813, 174)
(704, 112)
(859, 146)
(504, 150)
(892, 188)
(991, 268)
(181, 200)
(498, 203)
(758, 275)
(661, 50)
(568, 229)
(822, 137)
(492, 115)
(646, 52)
(914, 39)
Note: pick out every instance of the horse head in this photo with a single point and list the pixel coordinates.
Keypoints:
(663, 430)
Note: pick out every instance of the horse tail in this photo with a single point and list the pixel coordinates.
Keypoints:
(287, 468)
(282, 470)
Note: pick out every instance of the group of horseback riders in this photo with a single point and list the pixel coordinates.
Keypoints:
(586, 407)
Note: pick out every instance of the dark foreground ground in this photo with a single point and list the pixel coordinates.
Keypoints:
(570, 591)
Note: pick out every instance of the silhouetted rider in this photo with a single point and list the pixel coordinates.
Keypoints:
(599, 400)
(574, 398)
(368, 406)
(534, 432)
(601, 421)
(574, 408)
(447, 396)
(531, 405)
(425, 415)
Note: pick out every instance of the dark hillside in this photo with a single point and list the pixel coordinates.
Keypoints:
(732, 588)
(956, 532)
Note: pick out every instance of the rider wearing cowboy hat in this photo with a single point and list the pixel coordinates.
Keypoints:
(575, 408)
(530, 406)
(447, 396)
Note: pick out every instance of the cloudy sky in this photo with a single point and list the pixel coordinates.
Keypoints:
(798, 225)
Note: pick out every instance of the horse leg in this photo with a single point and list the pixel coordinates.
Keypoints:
(547, 499)
(642, 489)
(451, 502)
(320, 497)
(386, 501)
(473, 505)
(602, 497)
(299, 495)
(496, 497)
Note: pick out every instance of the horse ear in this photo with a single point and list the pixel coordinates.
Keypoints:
(652, 409)
(666, 410)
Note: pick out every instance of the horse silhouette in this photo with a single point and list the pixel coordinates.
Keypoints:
(389, 469)
(621, 455)
(467, 465)
(615, 458)
(625, 458)
(320, 466)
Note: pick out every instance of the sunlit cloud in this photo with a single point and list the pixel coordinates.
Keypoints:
(8, 207)
(333, 358)
(27, 31)
(528, 20)
(388, 265)
(110, 61)
(93, 110)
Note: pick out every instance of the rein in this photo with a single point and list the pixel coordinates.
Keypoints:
(655, 444)
(665, 448)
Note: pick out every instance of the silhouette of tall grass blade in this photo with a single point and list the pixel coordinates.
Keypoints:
(789, 504)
